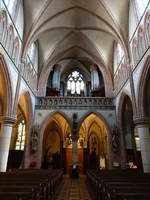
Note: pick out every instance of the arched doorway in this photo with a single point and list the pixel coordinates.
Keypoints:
(19, 134)
(130, 134)
(57, 143)
(52, 146)
(93, 144)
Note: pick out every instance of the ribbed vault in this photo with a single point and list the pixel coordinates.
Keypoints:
(81, 29)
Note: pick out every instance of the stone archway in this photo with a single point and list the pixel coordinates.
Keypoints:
(20, 134)
(142, 89)
(6, 93)
(129, 137)
(142, 119)
(94, 126)
(55, 122)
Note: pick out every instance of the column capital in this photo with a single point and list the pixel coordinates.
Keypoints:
(8, 120)
(141, 121)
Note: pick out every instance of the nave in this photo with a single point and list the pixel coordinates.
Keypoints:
(73, 189)
(35, 184)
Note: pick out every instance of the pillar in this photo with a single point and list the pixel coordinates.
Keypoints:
(5, 138)
(144, 135)
(74, 151)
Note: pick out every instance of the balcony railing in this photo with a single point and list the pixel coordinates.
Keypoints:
(74, 103)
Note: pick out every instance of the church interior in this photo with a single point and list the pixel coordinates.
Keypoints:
(74, 99)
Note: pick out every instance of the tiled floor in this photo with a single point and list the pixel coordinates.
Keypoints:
(74, 189)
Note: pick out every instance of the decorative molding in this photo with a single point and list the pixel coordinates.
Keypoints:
(141, 121)
(75, 103)
(8, 120)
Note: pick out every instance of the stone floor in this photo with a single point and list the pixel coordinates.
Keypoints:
(74, 189)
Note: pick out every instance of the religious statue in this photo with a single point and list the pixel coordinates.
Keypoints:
(115, 139)
(34, 139)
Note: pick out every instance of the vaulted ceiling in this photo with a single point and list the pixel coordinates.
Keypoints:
(70, 31)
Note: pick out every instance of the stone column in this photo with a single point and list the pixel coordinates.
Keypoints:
(144, 135)
(74, 151)
(74, 141)
(5, 138)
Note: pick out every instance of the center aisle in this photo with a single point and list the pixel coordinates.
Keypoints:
(74, 189)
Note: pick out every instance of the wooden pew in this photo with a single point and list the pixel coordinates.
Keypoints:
(30, 184)
(110, 185)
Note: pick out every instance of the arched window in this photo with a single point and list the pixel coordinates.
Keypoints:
(148, 27)
(135, 51)
(141, 42)
(75, 83)
(9, 40)
(120, 53)
(20, 136)
(11, 5)
(2, 26)
(32, 53)
(141, 5)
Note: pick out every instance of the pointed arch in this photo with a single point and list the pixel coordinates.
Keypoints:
(26, 106)
(8, 86)
(141, 87)
(108, 129)
(45, 72)
(42, 130)
(3, 26)
(122, 98)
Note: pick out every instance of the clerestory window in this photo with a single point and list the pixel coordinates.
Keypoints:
(120, 53)
(75, 83)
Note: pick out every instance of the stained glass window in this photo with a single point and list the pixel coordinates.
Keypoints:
(20, 136)
(75, 82)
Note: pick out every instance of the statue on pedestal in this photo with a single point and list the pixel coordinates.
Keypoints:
(115, 138)
(34, 139)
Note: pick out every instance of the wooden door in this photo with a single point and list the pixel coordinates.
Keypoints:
(68, 160)
(80, 160)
